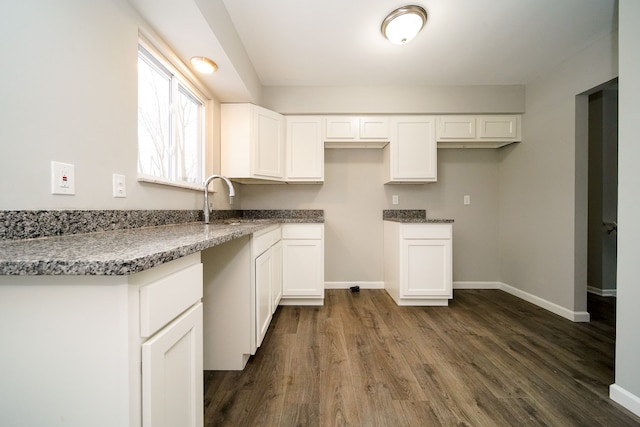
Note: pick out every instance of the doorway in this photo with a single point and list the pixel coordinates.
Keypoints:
(602, 191)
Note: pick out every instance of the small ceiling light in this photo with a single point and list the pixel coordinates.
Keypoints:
(404, 23)
(204, 65)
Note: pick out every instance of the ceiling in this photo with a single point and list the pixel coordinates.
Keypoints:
(338, 42)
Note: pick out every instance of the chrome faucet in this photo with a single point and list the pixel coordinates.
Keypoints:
(232, 193)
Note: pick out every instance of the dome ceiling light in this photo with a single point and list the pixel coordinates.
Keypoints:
(204, 65)
(404, 23)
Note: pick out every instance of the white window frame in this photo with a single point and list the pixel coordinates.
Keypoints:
(163, 55)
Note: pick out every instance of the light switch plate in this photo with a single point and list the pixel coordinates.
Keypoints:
(63, 178)
(119, 186)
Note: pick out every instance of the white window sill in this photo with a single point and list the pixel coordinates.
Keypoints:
(156, 180)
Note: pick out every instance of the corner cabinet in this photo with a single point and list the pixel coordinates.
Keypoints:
(104, 350)
(418, 263)
(305, 149)
(411, 156)
(302, 264)
(251, 143)
(478, 131)
(242, 282)
(246, 279)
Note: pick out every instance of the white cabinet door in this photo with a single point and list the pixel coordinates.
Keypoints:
(268, 143)
(351, 128)
(374, 128)
(425, 268)
(264, 278)
(276, 284)
(478, 131)
(411, 154)
(302, 273)
(172, 382)
(251, 143)
(305, 149)
(341, 128)
(498, 128)
(418, 263)
(456, 127)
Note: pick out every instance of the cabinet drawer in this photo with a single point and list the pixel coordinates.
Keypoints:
(426, 231)
(166, 298)
(264, 239)
(302, 231)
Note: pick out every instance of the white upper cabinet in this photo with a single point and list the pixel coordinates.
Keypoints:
(499, 128)
(305, 149)
(456, 127)
(478, 131)
(411, 154)
(252, 143)
(356, 132)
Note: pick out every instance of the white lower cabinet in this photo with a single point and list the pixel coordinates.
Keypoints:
(264, 276)
(172, 383)
(247, 278)
(242, 281)
(302, 264)
(418, 263)
(103, 350)
(276, 283)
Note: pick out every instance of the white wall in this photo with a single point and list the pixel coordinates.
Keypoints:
(395, 99)
(353, 197)
(627, 386)
(538, 187)
(70, 95)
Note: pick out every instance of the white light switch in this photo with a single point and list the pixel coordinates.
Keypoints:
(394, 199)
(119, 186)
(63, 178)
(467, 200)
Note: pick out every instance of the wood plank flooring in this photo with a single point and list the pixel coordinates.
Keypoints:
(489, 359)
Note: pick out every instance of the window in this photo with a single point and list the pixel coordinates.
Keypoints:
(171, 128)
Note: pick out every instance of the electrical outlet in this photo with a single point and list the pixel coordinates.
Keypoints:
(63, 178)
(394, 199)
(119, 186)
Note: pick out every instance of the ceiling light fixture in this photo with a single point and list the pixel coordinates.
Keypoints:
(404, 23)
(204, 65)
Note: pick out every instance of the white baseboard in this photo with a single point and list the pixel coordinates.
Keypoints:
(476, 285)
(347, 285)
(574, 316)
(625, 398)
(602, 292)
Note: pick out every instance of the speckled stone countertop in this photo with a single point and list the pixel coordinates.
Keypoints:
(411, 216)
(130, 250)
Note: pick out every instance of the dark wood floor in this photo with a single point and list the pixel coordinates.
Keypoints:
(489, 359)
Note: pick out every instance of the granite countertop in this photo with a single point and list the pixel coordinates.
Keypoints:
(129, 250)
(409, 216)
